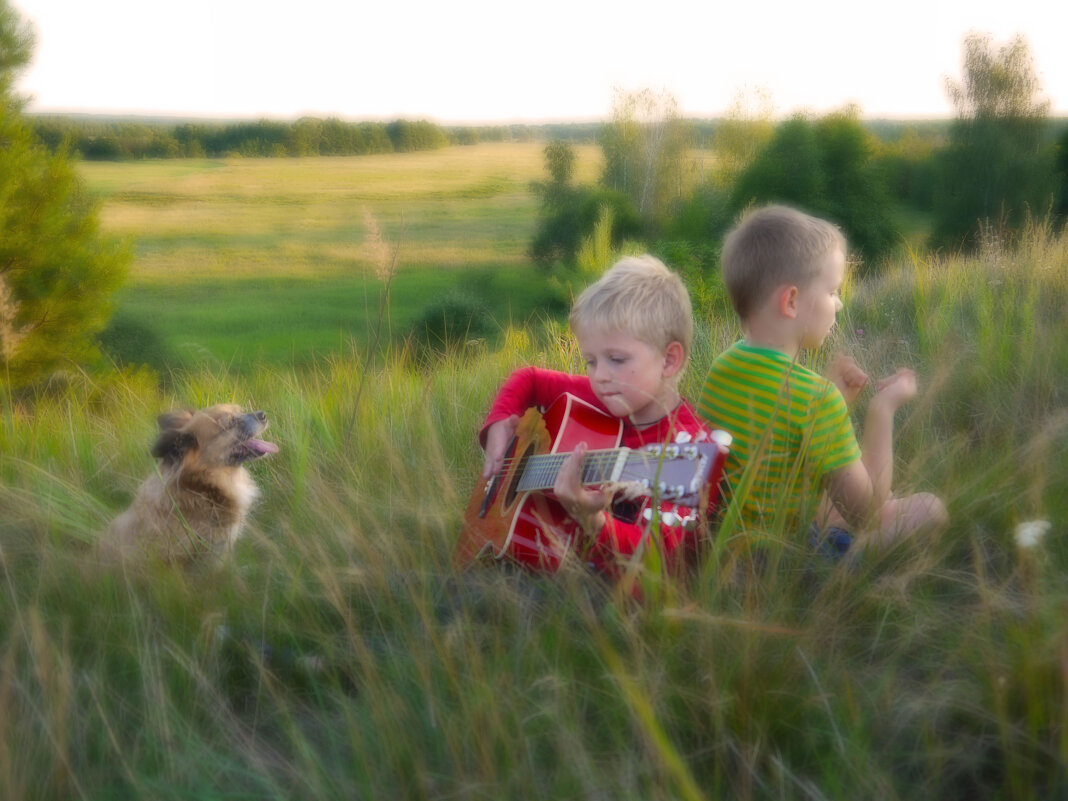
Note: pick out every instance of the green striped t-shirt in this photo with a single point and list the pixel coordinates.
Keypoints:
(790, 426)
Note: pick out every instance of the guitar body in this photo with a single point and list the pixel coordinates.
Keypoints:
(531, 527)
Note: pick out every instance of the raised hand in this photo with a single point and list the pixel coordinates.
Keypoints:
(848, 377)
(896, 390)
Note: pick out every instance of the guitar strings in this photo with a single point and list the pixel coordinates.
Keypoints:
(541, 469)
(607, 455)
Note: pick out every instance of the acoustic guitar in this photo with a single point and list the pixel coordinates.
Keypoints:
(514, 514)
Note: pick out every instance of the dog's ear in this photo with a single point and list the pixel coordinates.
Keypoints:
(172, 421)
(173, 443)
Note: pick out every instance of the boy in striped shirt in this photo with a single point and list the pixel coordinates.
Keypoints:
(795, 461)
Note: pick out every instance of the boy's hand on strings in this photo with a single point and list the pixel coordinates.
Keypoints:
(896, 390)
(585, 505)
(848, 377)
(498, 435)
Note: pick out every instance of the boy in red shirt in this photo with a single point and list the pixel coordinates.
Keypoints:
(634, 329)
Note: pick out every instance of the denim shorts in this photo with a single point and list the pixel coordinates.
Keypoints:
(831, 543)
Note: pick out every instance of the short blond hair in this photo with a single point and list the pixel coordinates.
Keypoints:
(640, 296)
(772, 246)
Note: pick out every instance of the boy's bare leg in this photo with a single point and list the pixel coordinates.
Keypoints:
(901, 517)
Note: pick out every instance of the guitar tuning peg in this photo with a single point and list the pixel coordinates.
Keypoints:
(683, 437)
(721, 437)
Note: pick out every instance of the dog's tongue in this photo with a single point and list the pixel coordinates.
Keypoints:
(261, 447)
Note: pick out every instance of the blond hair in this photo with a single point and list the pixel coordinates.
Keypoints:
(772, 246)
(640, 296)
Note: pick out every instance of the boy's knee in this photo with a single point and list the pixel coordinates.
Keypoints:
(922, 513)
(926, 513)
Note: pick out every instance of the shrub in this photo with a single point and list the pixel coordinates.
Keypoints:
(450, 323)
(129, 341)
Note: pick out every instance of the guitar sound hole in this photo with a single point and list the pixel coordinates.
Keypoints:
(512, 490)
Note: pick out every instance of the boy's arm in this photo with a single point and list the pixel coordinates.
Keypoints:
(850, 490)
(496, 437)
(525, 388)
(878, 446)
(861, 488)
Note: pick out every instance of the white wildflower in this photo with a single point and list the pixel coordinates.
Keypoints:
(1030, 533)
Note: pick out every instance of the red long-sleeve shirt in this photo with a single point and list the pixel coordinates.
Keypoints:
(628, 522)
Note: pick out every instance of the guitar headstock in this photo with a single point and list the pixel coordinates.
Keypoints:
(674, 472)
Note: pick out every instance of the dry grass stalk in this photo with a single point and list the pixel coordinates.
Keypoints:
(382, 257)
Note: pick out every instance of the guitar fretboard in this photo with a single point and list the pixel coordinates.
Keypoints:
(539, 472)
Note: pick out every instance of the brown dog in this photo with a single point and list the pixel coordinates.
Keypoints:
(192, 509)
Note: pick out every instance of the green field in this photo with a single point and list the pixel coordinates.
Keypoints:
(244, 261)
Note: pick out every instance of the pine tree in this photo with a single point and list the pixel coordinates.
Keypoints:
(57, 272)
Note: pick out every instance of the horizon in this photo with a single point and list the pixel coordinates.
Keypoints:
(179, 118)
(474, 63)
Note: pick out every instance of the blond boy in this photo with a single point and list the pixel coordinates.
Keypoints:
(793, 438)
(634, 328)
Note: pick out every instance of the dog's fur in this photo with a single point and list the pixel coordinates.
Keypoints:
(191, 510)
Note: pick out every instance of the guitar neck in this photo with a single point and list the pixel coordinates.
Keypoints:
(598, 467)
(671, 472)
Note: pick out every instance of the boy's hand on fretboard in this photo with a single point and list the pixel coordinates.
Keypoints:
(585, 505)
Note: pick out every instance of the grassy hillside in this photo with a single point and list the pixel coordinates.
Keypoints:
(341, 657)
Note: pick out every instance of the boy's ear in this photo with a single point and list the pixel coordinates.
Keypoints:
(674, 359)
(788, 301)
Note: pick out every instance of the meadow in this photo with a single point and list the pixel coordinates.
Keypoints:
(239, 262)
(340, 655)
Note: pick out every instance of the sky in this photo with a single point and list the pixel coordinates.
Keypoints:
(506, 61)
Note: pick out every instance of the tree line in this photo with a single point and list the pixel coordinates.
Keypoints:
(999, 166)
(103, 139)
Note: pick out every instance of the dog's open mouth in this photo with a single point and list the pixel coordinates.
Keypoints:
(253, 449)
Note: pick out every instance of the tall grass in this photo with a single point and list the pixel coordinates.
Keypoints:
(340, 656)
